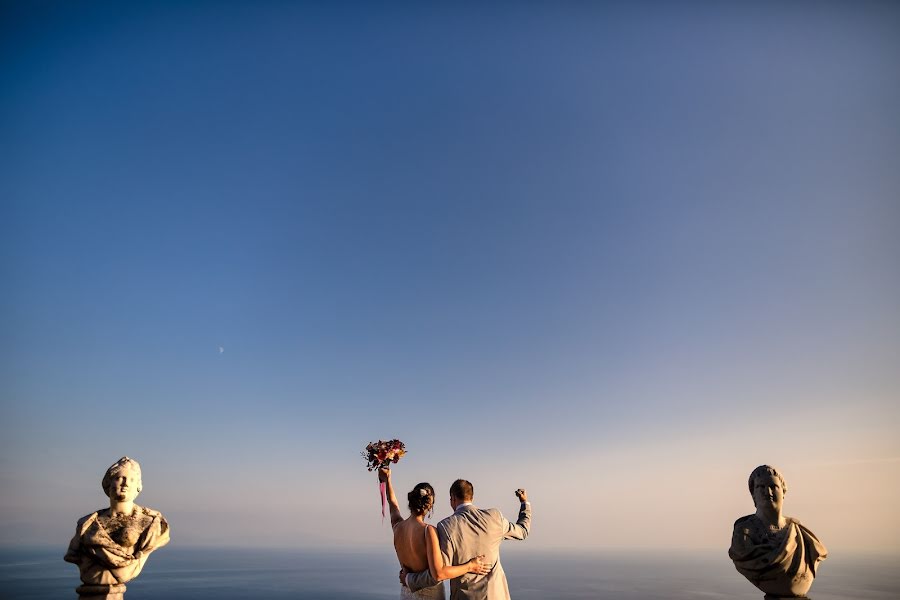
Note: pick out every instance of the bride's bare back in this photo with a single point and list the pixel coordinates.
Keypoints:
(409, 542)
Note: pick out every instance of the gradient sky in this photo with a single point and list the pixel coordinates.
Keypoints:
(618, 255)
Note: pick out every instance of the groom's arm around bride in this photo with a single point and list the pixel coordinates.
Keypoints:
(469, 532)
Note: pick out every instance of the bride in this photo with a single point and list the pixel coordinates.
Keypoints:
(416, 542)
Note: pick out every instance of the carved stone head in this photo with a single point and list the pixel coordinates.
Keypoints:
(122, 480)
(767, 486)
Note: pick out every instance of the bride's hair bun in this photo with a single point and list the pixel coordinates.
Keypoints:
(421, 499)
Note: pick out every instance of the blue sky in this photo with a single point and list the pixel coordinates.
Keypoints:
(561, 247)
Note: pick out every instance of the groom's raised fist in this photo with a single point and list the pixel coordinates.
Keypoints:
(521, 495)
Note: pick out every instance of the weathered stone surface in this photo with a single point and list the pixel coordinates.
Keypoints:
(111, 545)
(775, 553)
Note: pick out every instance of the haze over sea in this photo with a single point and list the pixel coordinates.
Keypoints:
(239, 574)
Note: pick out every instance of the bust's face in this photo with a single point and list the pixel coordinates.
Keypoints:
(767, 493)
(124, 486)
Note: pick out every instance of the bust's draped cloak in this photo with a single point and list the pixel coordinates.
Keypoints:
(102, 561)
(790, 556)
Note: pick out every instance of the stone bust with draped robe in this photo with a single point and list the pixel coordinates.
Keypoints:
(111, 545)
(775, 553)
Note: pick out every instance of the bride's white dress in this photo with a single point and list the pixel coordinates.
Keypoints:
(435, 592)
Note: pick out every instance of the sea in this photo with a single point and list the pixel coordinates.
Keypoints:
(241, 574)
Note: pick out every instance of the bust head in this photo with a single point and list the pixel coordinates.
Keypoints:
(122, 481)
(421, 499)
(767, 487)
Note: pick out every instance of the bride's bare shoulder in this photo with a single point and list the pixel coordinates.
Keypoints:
(407, 523)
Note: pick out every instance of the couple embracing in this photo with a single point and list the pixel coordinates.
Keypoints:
(464, 547)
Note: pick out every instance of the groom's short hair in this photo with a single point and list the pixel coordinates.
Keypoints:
(462, 490)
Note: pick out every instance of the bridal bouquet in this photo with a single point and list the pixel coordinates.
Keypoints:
(382, 454)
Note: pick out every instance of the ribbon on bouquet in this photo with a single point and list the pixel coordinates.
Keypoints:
(381, 455)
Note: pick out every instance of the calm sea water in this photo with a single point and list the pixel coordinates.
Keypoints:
(195, 574)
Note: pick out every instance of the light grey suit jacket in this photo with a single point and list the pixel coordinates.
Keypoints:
(464, 535)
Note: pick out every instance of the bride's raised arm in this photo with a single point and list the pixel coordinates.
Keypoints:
(384, 476)
(440, 571)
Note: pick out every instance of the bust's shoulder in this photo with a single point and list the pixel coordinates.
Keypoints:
(91, 517)
(745, 521)
(148, 512)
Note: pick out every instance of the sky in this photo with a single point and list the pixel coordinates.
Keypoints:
(618, 254)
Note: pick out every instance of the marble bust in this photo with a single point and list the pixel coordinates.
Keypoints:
(775, 553)
(111, 545)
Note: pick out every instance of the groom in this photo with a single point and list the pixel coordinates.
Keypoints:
(470, 532)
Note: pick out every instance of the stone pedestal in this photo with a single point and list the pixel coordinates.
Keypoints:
(101, 592)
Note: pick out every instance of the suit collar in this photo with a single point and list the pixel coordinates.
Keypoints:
(464, 506)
